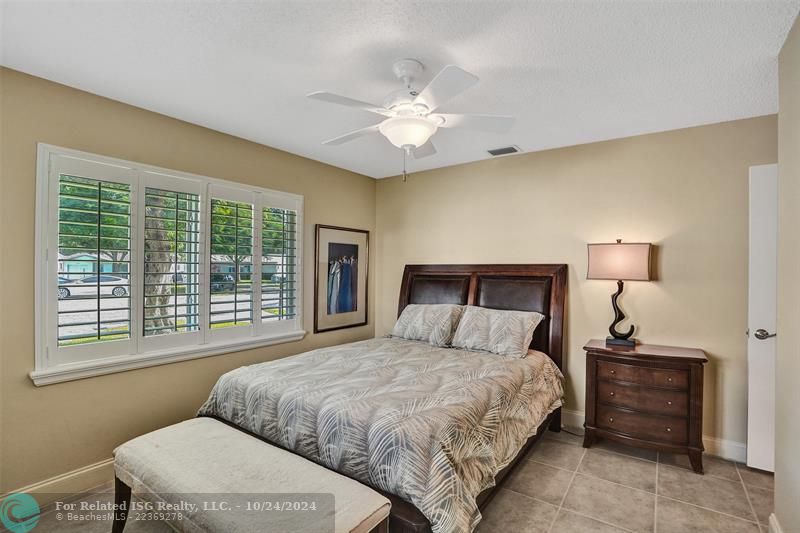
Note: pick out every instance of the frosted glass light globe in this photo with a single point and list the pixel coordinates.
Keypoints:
(407, 131)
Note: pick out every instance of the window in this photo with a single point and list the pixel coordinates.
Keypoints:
(231, 264)
(138, 266)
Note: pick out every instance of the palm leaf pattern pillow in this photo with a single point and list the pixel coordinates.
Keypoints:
(432, 323)
(497, 331)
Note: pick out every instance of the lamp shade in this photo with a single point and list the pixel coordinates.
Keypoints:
(619, 261)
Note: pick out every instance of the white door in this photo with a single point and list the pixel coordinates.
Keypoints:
(761, 317)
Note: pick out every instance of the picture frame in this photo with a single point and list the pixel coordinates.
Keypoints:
(341, 278)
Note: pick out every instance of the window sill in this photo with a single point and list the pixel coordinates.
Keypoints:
(110, 365)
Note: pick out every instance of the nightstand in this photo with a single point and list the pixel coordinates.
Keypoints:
(648, 396)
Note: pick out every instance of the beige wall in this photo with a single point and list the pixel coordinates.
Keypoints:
(684, 190)
(787, 437)
(54, 429)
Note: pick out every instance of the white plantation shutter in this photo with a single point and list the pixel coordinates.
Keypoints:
(231, 264)
(94, 258)
(138, 266)
(171, 262)
(279, 264)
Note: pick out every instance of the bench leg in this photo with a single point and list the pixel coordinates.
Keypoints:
(122, 501)
(383, 527)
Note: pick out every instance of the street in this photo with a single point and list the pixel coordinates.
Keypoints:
(78, 315)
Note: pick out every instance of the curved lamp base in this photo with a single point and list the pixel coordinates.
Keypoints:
(617, 338)
(626, 343)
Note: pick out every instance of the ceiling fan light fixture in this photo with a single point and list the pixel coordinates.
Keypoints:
(412, 120)
(407, 131)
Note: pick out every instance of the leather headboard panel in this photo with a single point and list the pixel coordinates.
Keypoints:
(519, 294)
(515, 293)
(439, 290)
(540, 288)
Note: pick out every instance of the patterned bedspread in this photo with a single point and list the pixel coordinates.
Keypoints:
(431, 425)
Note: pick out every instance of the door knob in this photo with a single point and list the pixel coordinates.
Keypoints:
(762, 334)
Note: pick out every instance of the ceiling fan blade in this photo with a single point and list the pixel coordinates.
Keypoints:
(349, 102)
(425, 150)
(341, 139)
(492, 123)
(450, 82)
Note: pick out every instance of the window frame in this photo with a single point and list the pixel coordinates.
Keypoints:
(53, 365)
(110, 173)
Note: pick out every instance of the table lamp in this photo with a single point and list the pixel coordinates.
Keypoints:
(621, 262)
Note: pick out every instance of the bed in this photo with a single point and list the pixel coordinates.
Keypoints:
(434, 429)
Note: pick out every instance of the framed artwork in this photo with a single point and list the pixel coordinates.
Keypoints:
(340, 278)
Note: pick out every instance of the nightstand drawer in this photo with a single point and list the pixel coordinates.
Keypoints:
(643, 375)
(661, 402)
(656, 428)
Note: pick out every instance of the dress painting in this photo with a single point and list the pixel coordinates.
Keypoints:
(342, 278)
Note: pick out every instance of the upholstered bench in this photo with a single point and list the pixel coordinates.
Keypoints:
(223, 480)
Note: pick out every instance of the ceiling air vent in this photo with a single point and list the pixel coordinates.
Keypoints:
(504, 151)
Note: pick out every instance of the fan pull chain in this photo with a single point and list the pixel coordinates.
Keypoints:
(405, 154)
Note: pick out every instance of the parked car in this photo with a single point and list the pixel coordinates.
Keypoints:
(222, 282)
(63, 292)
(114, 285)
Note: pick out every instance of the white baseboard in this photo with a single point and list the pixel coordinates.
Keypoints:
(727, 449)
(573, 419)
(774, 525)
(74, 482)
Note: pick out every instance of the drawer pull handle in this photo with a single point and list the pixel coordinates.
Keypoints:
(669, 430)
(669, 379)
(669, 403)
(611, 419)
(613, 371)
(611, 394)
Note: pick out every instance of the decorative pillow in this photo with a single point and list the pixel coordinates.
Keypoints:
(432, 323)
(493, 330)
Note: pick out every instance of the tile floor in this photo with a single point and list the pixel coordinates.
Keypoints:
(564, 488)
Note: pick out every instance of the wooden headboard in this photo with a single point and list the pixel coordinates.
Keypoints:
(540, 288)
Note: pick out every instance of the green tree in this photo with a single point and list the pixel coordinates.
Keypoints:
(94, 218)
(171, 239)
(232, 236)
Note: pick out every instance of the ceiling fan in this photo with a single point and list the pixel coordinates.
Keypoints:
(410, 119)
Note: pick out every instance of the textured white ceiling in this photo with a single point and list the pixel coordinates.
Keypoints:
(571, 72)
